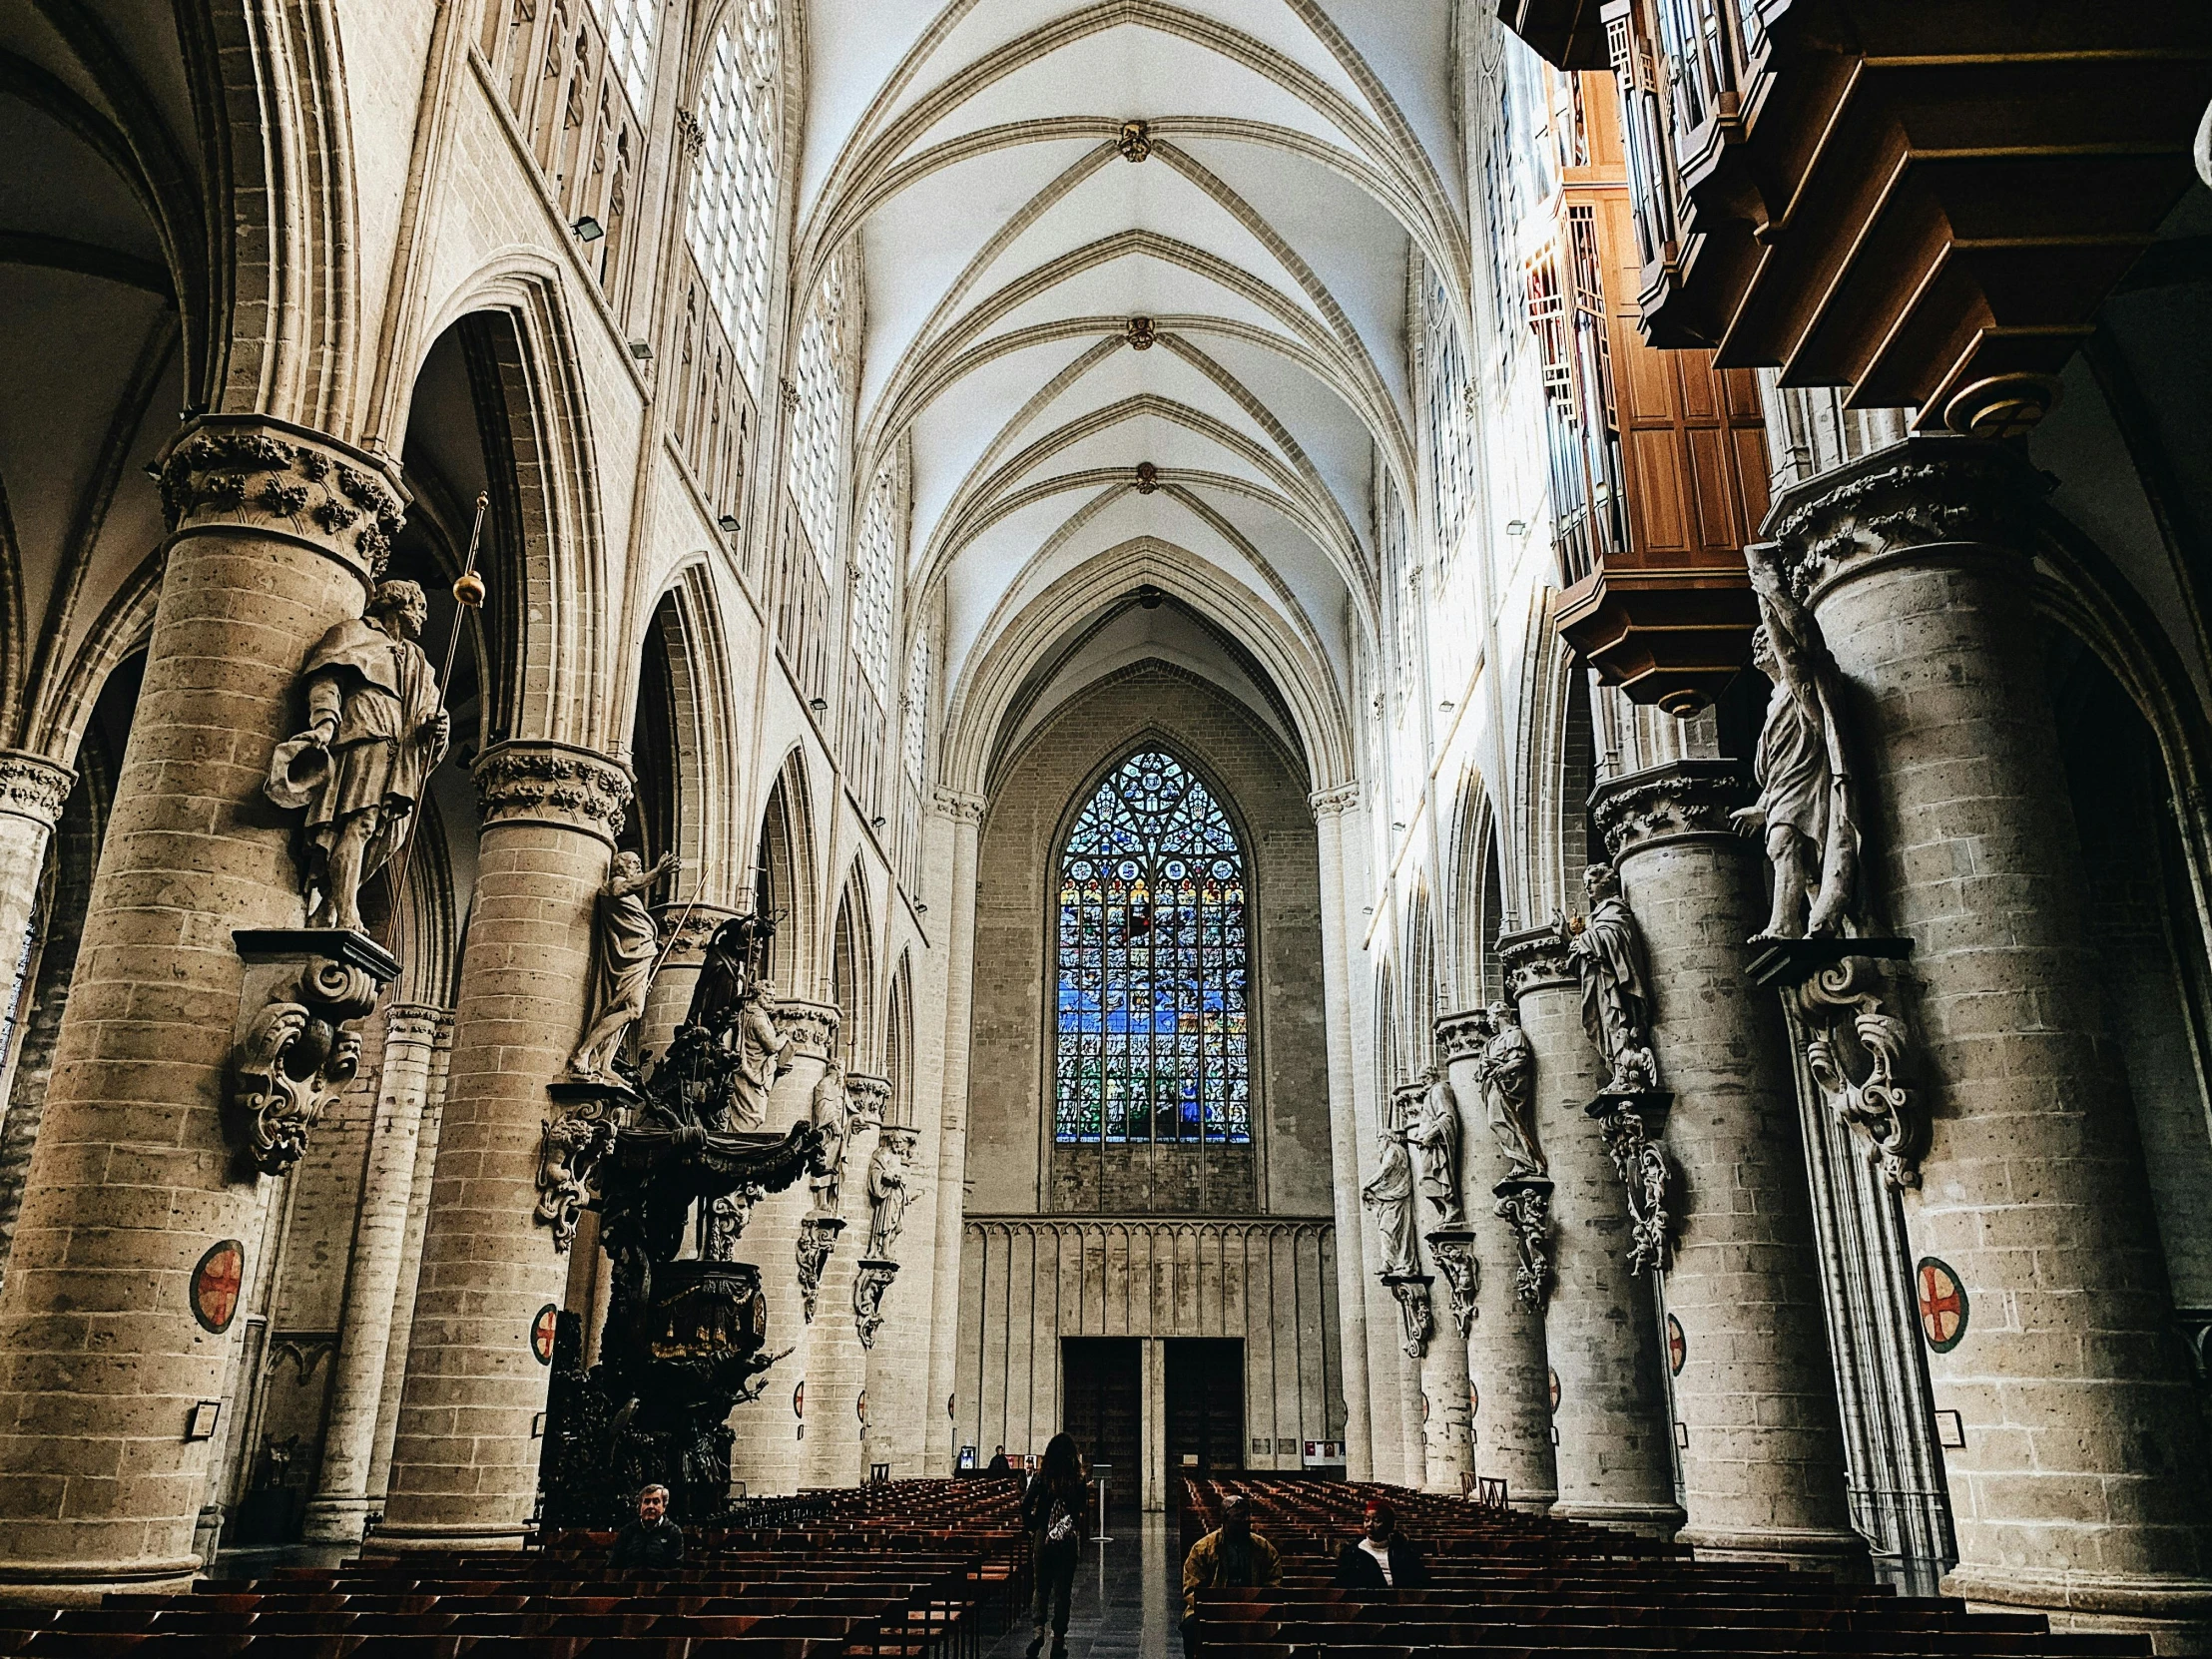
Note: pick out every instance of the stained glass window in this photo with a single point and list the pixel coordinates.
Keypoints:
(1153, 1040)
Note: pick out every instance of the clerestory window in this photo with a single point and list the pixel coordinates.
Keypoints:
(1152, 1041)
(733, 213)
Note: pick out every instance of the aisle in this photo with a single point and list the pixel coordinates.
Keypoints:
(1124, 1604)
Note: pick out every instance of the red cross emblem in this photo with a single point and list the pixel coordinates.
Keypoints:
(543, 1328)
(799, 1401)
(1475, 1400)
(1943, 1304)
(1554, 1375)
(216, 1284)
(1678, 1347)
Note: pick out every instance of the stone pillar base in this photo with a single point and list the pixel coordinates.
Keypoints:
(1842, 1556)
(335, 1520)
(1645, 1520)
(445, 1537)
(2175, 1613)
(57, 1585)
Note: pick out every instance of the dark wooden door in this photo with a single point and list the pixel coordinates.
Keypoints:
(1205, 1405)
(1101, 1382)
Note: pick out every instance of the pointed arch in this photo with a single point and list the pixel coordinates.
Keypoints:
(852, 971)
(899, 1039)
(683, 737)
(783, 880)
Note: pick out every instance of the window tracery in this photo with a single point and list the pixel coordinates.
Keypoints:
(733, 187)
(875, 582)
(819, 421)
(1450, 419)
(1152, 1041)
(629, 29)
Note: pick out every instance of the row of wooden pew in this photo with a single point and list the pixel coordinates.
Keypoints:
(916, 1570)
(1505, 1583)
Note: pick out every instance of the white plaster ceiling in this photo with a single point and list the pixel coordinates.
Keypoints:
(1302, 150)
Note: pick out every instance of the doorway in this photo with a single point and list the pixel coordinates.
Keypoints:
(1102, 1391)
(1205, 1405)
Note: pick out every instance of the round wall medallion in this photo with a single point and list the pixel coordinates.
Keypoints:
(949, 1405)
(1475, 1400)
(1554, 1375)
(1944, 1306)
(543, 1330)
(1423, 1408)
(799, 1401)
(216, 1284)
(859, 1406)
(1678, 1347)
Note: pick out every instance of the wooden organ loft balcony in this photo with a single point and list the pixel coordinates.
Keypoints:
(1658, 459)
(1924, 201)
(1567, 34)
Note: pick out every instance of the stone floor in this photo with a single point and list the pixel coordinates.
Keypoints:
(1124, 1602)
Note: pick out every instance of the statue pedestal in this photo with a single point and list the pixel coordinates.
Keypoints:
(817, 1237)
(1524, 1204)
(1788, 963)
(871, 1277)
(1415, 1316)
(1452, 1249)
(1650, 1106)
(1631, 1121)
(297, 1043)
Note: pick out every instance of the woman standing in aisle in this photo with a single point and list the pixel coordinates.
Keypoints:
(1053, 1515)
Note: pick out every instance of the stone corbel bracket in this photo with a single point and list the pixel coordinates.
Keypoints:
(1524, 1204)
(870, 1279)
(577, 1137)
(1630, 1125)
(298, 1041)
(817, 1237)
(1415, 1318)
(1857, 1046)
(1452, 1250)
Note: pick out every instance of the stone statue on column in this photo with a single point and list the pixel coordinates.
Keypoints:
(1805, 809)
(1390, 1196)
(887, 1196)
(628, 944)
(1509, 1091)
(1434, 1139)
(764, 1053)
(1608, 951)
(376, 729)
(836, 1121)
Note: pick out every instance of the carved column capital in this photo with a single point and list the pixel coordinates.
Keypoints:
(869, 1095)
(1536, 958)
(230, 472)
(1927, 491)
(556, 783)
(810, 1026)
(33, 786)
(1335, 801)
(958, 806)
(1681, 800)
(415, 1023)
(686, 927)
(1464, 1036)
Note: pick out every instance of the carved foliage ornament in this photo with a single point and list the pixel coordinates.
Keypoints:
(1525, 1206)
(1642, 1167)
(251, 475)
(1858, 1052)
(32, 786)
(1416, 1319)
(1454, 1253)
(870, 1281)
(817, 1237)
(297, 1054)
(573, 787)
(568, 1160)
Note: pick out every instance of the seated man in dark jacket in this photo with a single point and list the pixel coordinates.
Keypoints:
(651, 1542)
(1379, 1559)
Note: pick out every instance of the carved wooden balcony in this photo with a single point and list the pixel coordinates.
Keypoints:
(1924, 202)
(1567, 33)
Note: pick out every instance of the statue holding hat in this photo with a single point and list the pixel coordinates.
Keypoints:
(376, 729)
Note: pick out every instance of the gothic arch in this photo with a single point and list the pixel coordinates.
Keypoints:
(785, 874)
(684, 735)
(852, 971)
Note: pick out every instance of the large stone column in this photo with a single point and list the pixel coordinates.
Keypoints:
(769, 1454)
(341, 1502)
(964, 816)
(2080, 1488)
(274, 533)
(1601, 1327)
(837, 1364)
(410, 1260)
(1509, 1394)
(32, 791)
(1763, 1466)
(464, 1463)
(1330, 806)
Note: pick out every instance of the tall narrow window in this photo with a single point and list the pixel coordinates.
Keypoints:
(733, 213)
(1153, 1043)
(629, 26)
(824, 383)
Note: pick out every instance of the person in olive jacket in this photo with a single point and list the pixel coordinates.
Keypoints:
(1380, 1559)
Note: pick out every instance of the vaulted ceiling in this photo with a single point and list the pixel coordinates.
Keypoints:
(1293, 156)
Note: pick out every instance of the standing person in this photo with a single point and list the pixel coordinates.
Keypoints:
(1053, 1515)
(998, 1463)
(1379, 1559)
(1231, 1554)
(651, 1542)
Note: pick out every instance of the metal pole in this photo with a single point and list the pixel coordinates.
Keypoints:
(1103, 1482)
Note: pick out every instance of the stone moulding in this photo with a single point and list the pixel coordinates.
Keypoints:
(817, 1237)
(575, 1137)
(1416, 1321)
(33, 786)
(1630, 1125)
(297, 1042)
(1524, 1204)
(255, 470)
(553, 783)
(1452, 1250)
(1857, 1046)
(870, 1279)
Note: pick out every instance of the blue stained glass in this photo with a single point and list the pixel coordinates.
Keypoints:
(1152, 964)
